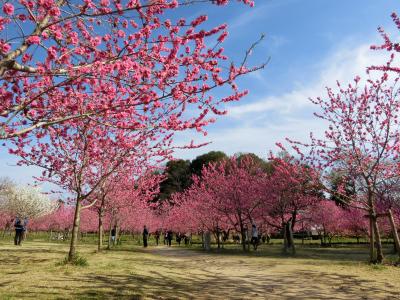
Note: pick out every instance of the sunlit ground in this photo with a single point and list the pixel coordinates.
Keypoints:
(30, 271)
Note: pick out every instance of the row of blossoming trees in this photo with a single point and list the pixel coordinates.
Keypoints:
(93, 92)
(360, 148)
(234, 194)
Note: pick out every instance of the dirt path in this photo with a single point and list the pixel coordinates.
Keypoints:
(243, 277)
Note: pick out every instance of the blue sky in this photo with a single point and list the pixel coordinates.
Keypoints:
(311, 43)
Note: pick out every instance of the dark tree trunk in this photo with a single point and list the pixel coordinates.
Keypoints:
(379, 250)
(285, 238)
(218, 238)
(117, 229)
(100, 231)
(372, 258)
(394, 231)
(75, 230)
(291, 239)
(243, 234)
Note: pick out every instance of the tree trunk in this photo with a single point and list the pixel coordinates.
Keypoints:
(290, 236)
(207, 240)
(372, 258)
(116, 233)
(285, 238)
(379, 251)
(395, 234)
(243, 234)
(218, 238)
(75, 230)
(100, 230)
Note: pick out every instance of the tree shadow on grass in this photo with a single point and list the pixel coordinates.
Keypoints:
(301, 285)
(15, 257)
(342, 254)
(170, 281)
(180, 274)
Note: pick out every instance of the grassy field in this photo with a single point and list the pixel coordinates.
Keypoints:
(32, 271)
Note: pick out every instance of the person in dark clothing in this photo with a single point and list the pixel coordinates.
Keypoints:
(254, 236)
(157, 236)
(178, 238)
(145, 236)
(166, 238)
(186, 239)
(169, 238)
(19, 232)
(113, 234)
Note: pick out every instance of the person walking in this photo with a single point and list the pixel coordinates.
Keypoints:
(178, 238)
(19, 231)
(145, 236)
(169, 238)
(157, 236)
(254, 236)
(166, 238)
(113, 234)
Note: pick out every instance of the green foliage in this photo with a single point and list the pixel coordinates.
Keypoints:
(203, 160)
(178, 178)
(266, 166)
(77, 260)
(179, 173)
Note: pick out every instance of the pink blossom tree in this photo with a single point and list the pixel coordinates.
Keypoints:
(290, 189)
(106, 60)
(127, 202)
(227, 195)
(361, 142)
(327, 218)
(355, 223)
(80, 158)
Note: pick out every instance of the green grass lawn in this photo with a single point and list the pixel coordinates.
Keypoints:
(32, 271)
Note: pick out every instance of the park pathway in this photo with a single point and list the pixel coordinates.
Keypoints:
(247, 277)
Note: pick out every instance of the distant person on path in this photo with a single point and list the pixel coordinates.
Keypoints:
(19, 231)
(178, 238)
(166, 238)
(113, 233)
(145, 236)
(186, 239)
(254, 236)
(157, 237)
(169, 238)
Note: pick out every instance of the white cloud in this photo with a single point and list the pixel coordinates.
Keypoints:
(260, 124)
(342, 65)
